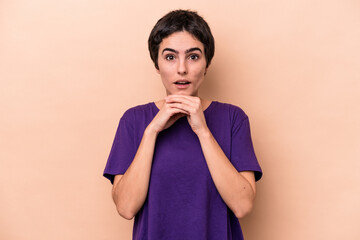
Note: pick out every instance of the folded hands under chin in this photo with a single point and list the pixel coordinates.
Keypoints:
(177, 106)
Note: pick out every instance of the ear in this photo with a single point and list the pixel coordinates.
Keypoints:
(157, 69)
(205, 71)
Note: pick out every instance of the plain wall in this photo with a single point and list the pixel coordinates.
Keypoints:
(69, 69)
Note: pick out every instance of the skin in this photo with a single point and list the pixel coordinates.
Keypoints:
(181, 57)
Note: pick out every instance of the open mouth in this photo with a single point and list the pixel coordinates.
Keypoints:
(182, 82)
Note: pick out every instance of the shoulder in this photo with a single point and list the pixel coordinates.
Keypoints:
(234, 112)
(137, 110)
(140, 113)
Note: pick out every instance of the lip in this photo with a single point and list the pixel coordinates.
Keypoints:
(178, 86)
(182, 86)
(182, 80)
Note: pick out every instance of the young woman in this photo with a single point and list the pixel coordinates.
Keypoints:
(184, 166)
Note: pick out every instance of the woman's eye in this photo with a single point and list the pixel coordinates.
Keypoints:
(169, 57)
(194, 57)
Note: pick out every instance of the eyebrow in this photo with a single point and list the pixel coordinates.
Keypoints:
(187, 51)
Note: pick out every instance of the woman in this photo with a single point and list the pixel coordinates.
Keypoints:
(183, 166)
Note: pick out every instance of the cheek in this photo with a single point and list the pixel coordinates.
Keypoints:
(199, 72)
(166, 76)
(165, 70)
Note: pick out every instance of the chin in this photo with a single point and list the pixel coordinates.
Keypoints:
(185, 92)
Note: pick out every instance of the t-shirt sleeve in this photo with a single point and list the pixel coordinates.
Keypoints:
(122, 151)
(242, 151)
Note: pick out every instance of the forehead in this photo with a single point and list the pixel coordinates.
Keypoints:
(181, 41)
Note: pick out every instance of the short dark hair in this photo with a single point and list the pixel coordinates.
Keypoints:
(177, 21)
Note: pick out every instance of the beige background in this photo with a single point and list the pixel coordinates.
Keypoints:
(69, 69)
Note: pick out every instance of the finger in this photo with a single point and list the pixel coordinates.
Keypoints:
(172, 98)
(193, 105)
(183, 106)
(178, 115)
(175, 109)
(190, 102)
(181, 96)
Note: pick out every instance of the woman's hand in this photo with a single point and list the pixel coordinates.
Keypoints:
(169, 113)
(191, 106)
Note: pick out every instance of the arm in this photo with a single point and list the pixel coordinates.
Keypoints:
(236, 189)
(130, 190)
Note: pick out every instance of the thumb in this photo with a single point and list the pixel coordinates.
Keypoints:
(179, 115)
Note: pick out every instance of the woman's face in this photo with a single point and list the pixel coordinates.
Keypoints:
(182, 63)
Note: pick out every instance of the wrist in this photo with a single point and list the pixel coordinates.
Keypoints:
(150, 130)
(204, 133)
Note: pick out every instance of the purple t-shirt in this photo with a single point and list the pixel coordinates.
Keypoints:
(183, 202)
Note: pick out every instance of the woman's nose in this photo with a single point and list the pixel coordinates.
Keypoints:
(182, 68)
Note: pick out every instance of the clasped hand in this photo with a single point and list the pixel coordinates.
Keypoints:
(177, 106)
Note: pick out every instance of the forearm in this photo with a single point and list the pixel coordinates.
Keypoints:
(236, 191)
(130, 192)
